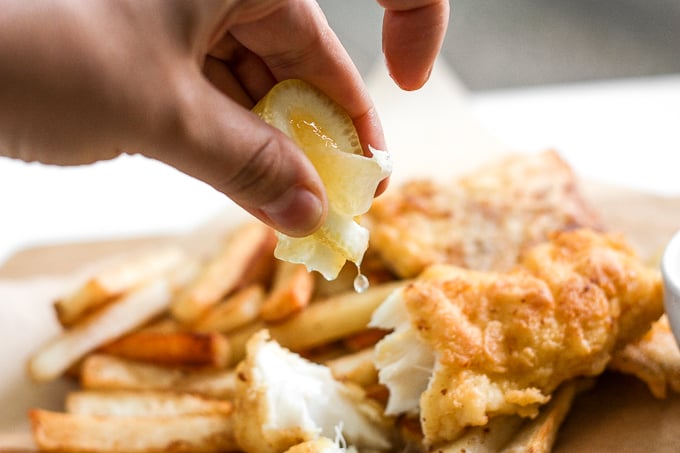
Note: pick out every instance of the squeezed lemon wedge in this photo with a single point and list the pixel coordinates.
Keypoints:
(326, 134)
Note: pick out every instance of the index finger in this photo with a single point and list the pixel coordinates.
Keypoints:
(413, 33)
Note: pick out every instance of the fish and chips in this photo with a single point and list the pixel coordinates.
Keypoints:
(494, 300)
(477, 351)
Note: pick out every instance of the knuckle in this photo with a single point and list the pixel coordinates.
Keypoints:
(296, 56)
(258, 176)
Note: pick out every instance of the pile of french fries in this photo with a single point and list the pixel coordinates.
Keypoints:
(154, 341)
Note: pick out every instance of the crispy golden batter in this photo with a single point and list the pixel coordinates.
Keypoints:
(654, 359)
(481, 221)
(503, 342)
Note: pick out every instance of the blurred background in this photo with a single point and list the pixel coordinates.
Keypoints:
(597, 80)
(497, 44)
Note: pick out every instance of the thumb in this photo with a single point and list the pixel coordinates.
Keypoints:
(230, 148)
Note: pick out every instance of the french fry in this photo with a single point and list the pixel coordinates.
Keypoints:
(109, 322)
(260, 268)
(325, 352)
(238, 310)
(356, 367)
(183, 274)
(172, 348)
(320, 323)
(203, 433)
(538, 435)
(224, 272)
(102, 372)
(124, 403)
(331, 319)
(291, 291)
(489, 438)
(113, 281)
(364, 339)
(163, 324)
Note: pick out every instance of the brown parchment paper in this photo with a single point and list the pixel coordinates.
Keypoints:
(617, 415)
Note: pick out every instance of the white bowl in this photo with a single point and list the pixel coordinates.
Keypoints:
(670, 270)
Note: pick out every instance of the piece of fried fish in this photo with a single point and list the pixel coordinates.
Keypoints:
(468, 345)
(654, 359)
(481, 221)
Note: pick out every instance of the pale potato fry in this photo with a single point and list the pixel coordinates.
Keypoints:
(538, 435)
(204, 433)
(325, 353)
(320, 323)
(489, 438)
(109, 322)
(114, 281)
(102, 372)
(238, 310)
(356, 367)
(331, 319)
(260, 268)
(224, 272)
(183, 274)
(125, 403)
(164, 324)
(365, 339)
(291, 291)
(172, 348)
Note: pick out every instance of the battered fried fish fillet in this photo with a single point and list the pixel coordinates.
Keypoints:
(468, 344)
(654, 359)
(481, 221)
(283, 399)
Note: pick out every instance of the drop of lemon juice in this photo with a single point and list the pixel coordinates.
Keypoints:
(361, 283)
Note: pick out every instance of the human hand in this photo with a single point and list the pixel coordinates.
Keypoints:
(87, 80)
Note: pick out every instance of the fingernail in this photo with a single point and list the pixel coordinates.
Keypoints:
(297, 212)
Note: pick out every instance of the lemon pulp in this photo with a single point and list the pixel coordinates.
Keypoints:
(326, 134)
(307, 133)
